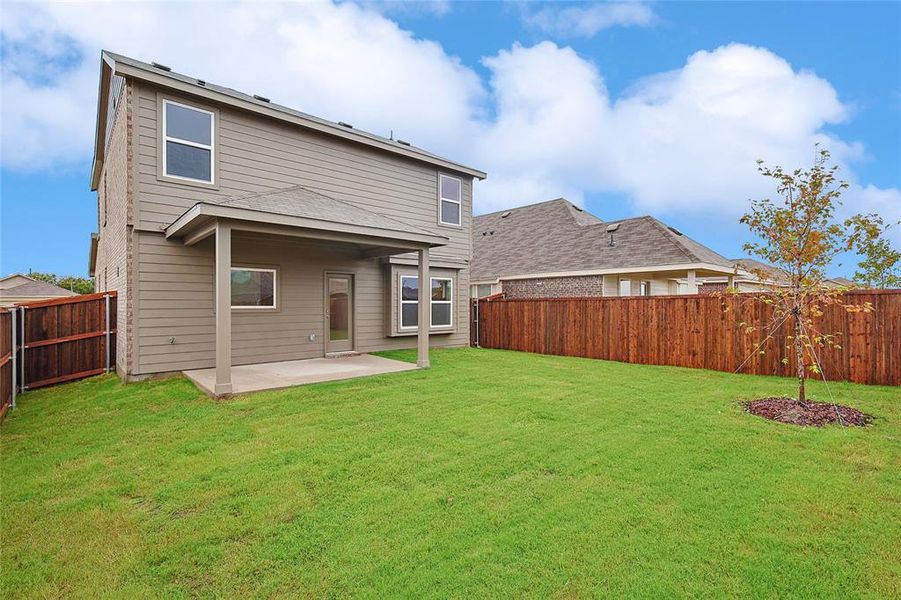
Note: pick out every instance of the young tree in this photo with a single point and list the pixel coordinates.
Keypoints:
(800, 234)
(881, 267)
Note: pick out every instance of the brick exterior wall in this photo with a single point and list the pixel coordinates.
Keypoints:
(555, 287)
(115, 245)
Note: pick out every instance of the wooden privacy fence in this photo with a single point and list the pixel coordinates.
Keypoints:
(694, 331)
(52, 341)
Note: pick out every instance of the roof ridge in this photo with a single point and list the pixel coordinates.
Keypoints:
(503, 210)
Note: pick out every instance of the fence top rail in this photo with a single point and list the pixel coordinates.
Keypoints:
(894, 292)
(67, 300)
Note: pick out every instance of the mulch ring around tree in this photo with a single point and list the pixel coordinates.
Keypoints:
(787, 410)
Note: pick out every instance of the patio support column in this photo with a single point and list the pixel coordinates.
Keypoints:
(425, 310)
(223, 309)
(692, 284)
(731, 281)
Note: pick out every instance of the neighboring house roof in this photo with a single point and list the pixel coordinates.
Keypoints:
(776, 276)
(117, 64)
(558, 237)
(13, 280)
(756, 267)
(302, 207)
(33, 288)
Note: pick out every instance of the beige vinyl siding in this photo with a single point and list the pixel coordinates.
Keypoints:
(176, 299)
(256, 154)
(175, 283)
(114, 247)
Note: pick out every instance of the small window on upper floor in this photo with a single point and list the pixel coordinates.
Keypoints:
(188, 135)
(450, 198)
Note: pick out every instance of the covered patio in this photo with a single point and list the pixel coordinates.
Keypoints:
(300, 213)
(270, 376)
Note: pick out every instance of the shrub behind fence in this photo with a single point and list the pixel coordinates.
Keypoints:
(695, 331)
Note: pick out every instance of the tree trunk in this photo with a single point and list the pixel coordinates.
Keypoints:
(799, 357)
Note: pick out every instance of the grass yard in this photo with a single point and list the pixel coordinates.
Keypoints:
(492, 474)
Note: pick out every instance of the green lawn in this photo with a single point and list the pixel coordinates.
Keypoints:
(491, 474)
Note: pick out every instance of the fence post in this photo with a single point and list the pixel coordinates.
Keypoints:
(106, 299)
(478, 323)
(12, 338)
(22, 343)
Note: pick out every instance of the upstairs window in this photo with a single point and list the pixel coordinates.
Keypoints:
(187, 142)
(450, 192)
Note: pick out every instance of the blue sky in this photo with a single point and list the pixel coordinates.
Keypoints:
(620, 107)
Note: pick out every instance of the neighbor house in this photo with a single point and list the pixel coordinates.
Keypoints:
(753, 275)
(557, 249)
(18, 288)
(238, 231)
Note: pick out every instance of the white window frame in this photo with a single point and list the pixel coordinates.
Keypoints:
(400, 295)
(177, 140)
(448, 302)
(274, 288)
(457, 201)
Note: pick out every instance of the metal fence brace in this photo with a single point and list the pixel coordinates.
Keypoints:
(106, 301)
(22, 385)
(15, 351)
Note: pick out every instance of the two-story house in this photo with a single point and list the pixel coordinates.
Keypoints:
(237, 231)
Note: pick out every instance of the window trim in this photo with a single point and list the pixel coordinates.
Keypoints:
(400, 295)
(272, 270)
(167, 138)
(449, 302)
(458, 202)
(432, 326)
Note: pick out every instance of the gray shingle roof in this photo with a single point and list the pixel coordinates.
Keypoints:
(556, 236)
(36, 288)
(298, 201)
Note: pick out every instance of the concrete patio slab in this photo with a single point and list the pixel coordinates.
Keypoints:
(270, 376)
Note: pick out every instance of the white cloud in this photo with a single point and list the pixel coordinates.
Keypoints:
(543, 124)
(587, 21)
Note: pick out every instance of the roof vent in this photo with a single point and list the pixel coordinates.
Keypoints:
(261, 98)
(674, 230)
(161, 67)
(343, 124)
(201, 82)
(505, 215)
(403, 143)
(612, 227)
(578, 208)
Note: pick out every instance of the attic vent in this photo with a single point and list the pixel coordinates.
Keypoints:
(505, 215)
(343, 124)
(674, 230)
(201, 82)
(161, 67)
(403, 143)
(261, 98)
(612, 227)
